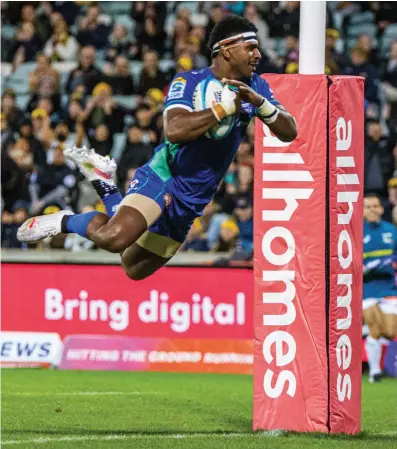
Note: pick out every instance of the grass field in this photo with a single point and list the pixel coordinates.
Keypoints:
(72, 409)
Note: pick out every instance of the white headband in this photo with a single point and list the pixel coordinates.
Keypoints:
(249, 36)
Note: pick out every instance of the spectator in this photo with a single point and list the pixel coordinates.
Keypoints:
(366, 44)
(26, 45)
(284, 19)
(391, 199)
(35, 147)
(335, 62)
(119, 44)
(6, 132)
(245, 154)
(151, 76)
(8, 106)
(93, 30)
(291, 50)
(20, 153)
(184, 64)
(101, 140)
(245, 178)
(85, 73)
(62, 46)
(137, 151)
(378, 160)
(245, 222)
(119, 77)
(75, 112)
(146, 122)
(182, 29)
(359, 66)
(44, 80)
(16, 199)
(102, 110)
(68, 11)
(42, 130)
(216, 14)
(389, 88)
(40, 23)
(192, 48)
(227, 237)
(62, 139)
(386, 14)
(54, 185)
(251, 14)
(154, 10)
(152, 37)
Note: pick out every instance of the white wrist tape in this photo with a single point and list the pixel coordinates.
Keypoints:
(267, 111)
(227, 106)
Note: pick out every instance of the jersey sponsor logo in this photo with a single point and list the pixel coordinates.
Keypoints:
(177, 88)
(133, 184)
(167, 198)
(367, 239)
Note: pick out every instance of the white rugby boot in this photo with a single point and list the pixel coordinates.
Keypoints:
(38, 228)
(93, 166)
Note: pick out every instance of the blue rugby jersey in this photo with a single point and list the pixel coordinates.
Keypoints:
(197, 167)
(380, 249)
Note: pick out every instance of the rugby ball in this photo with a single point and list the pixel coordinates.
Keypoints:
(207, 93)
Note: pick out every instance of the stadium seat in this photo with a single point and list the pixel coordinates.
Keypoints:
(19, 80)
(362, 28)
(8, 31)
(169, 24)
(135, 69)
(385, 45)
(166, 65)
(22, 101)
(128, 101)
(114, 8)
(362, 18)
(5, 69)
(192, 7)
(391, 31)
(118, 145)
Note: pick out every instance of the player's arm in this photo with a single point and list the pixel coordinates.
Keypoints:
(276, 117)
(182, 124)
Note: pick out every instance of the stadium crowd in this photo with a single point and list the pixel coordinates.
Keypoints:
(97, 74)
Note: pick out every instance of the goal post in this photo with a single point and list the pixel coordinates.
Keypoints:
(308, 252)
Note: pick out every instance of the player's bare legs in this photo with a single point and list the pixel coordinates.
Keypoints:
(139, 263)
(114, 233)
(374, 320)
(388, 307)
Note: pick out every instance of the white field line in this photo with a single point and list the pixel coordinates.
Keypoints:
(176, 436)
(84, 393)
(121, 437)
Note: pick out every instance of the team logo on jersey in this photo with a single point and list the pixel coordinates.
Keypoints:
(133, 184)
(167, 198)
(177, 88)
(387, 237)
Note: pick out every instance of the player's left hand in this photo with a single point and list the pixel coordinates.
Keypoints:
(246, 93)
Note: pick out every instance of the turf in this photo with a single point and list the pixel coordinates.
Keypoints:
(73, 409)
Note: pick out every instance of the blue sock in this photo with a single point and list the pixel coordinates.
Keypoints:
(109, 194)
(77, 224)
(111, 202)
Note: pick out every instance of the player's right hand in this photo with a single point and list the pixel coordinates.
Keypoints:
(231, 101)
